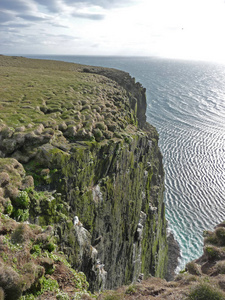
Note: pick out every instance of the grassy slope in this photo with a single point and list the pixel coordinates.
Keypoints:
(54, 93)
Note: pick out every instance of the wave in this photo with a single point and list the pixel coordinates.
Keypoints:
(190, 121)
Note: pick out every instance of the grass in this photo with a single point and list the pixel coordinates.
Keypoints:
(58, 95)
(205, 291)
(28, 259)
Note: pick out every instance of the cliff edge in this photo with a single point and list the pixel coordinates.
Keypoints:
(77, 154)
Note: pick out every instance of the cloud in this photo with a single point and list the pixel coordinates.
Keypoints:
(77, 9)
(5, 17)
(91, 16)
(31, 18)
(13, 10)
(102, 3)
(13, 27)
(12, 5)
(18, 25)
(54, 24)
(53, 6)
(62, 36)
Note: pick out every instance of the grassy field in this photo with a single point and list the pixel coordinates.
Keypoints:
(61, 96)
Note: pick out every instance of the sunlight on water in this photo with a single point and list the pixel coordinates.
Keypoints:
(189, 114)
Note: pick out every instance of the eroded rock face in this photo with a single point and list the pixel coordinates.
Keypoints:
(202, 278)
(173, 256)
(111, 188)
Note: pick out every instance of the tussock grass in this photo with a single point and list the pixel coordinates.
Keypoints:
(58, 95)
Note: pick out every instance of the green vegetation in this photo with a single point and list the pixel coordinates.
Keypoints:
(131, 289)
(193, 268)
(22, 200)
(30, 257)
(212, 252)
(205, 291)
(57, 101)
(113, 296)
(76, 150)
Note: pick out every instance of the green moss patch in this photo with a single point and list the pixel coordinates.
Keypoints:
(31, 266)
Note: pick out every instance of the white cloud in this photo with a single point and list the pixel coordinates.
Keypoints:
(175, 28)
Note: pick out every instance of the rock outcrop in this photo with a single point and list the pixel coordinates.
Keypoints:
(77, 153)
(173, 256)
(202, 279)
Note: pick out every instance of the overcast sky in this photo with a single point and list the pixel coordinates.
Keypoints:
(190, 29)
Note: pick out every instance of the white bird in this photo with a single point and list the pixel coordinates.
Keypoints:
(75, 220)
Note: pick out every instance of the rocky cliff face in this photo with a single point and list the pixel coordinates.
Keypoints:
(115, 190)
(91, 167)
(202, 278)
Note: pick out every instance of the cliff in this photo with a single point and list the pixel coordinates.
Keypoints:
(202, 279)
(76, 153)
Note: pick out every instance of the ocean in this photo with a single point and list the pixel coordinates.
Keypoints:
(186, 103)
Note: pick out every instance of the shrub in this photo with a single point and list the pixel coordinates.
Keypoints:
(28, 297)
(212, 252)
(50, 247)
(185, 278)
(220, 267)
(31, 273)
(101, 126)
(112, 297)
(205, 291)
(220, 233)
(21, 234)
(20, 215)
(36, 250)
(81, 295)
(193, 268)
(8, 207)
(131, 290)
(48, 284)
(62, 296)
(97, 134)
(211, 239)
(22, 200)
(10, 283)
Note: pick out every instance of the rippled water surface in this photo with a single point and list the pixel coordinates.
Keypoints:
(186, 103)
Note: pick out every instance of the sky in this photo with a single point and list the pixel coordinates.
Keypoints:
(184, 29)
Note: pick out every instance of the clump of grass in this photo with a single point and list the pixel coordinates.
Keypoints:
(131, 289)
(98, 134)
(22, 234)
(220, 267)
(22, 200)
(205, 291)
(220, 234)
(112, 296)
(193, 268)
(62, 296)
(10, 282)
(212, 252)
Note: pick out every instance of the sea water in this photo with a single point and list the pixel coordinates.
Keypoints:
(186, 103)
